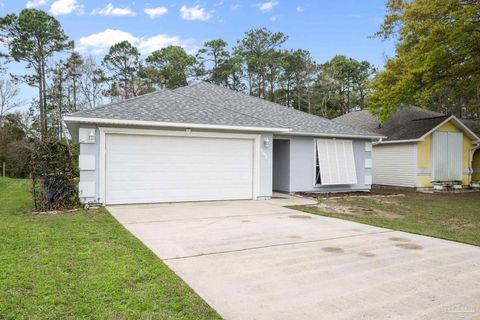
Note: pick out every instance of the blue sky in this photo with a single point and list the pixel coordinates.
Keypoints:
(325, 28)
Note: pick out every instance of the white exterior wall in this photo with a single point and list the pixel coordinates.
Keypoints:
(302, 166)
(93, 177)
(281, 165)
(395, 164)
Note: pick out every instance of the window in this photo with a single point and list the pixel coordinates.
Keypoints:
(335, 162)
(318, 176)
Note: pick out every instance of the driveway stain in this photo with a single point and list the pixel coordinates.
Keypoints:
(333, 249)
(367, 254)
(357, 230)
(295, 237)
(409, 246)
(300, 217)
(399, 239)
(243, 221)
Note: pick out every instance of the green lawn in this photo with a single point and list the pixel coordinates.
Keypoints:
(82, 265)
(448, 216)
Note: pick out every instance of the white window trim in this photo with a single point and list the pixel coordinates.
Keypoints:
(104, 131)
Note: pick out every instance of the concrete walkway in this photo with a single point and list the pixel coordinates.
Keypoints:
(259, 260)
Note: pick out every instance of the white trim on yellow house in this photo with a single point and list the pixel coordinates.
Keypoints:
(421, 169)
(458, 123)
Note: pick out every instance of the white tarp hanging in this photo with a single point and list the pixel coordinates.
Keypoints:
(337, 161)
(447, 156)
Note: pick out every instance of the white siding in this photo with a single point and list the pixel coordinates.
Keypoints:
(395, 164)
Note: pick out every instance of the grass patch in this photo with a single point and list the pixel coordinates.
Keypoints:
(448, 216)
(82, 265)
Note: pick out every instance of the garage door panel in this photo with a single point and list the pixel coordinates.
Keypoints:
(143, 169)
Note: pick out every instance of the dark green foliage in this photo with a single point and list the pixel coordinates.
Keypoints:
(259, 50)
(123, 63)
(220, 66)
(171, 67)
(342, 86)
(54, 170)
(15, 147)
(34, 37)
(437, 60)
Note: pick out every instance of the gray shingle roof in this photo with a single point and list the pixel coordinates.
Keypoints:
(360, 119)
(209, 104)
(297, 120)
(168, 106)
(473, 124)
(408, 123)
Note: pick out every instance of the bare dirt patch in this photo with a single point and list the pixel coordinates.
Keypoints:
(459, 224)
(357, 206)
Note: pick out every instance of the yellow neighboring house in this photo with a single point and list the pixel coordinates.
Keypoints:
(423, 149)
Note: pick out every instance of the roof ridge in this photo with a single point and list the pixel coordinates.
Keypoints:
(223, 107)
(276, 105)
(120, 102)
(429, 118)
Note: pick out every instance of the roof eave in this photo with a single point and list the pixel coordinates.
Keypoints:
(400, 141)
(459, 123)
(85, 120)
(336, 135)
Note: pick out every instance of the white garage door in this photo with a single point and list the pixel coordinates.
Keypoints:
(147, 169)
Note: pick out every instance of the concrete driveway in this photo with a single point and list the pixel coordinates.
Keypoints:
(259, 260)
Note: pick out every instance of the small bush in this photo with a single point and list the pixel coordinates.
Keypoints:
(53, 173)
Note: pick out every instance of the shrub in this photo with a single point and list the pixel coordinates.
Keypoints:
(54, 170)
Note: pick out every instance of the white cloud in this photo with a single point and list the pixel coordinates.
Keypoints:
(35, 3)
(194, 13)
(274, 18)
(110, 10)
(149, 44)
(99, 43)
(61, 7)
(267, 6)
(155, 12)
(300, 9)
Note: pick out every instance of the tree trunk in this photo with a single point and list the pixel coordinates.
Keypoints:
(44, 90)
(272, 93)
(288, 94)
(74, 95)
(309, 101)
(250, 83)
(41, 101)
